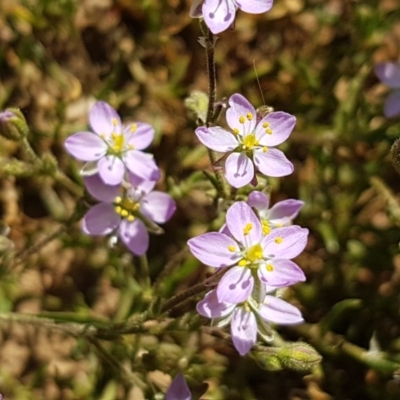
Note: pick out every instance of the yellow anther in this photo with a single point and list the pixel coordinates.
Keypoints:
(242, 119)
(248, 227)
(103, 135)
(265, 227)
(279, 225)
(118, 200)
(236, 131)
(115, 121)
(133, 128)
(269, 131)
(265, 125)
(242, 263)
(124, 213)
(119, 142)
(249, 116)
(130, 218)
(232, 248)
(278, 240)
(118, 209)
(265, 149)
(246, 306)
(269, 267)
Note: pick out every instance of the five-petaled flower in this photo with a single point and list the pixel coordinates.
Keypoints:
(279, 215)
(220, 14)
(250, 142)
(129, 211)
(116, 148)
(248, 318)
(250, 254)
(389, 74)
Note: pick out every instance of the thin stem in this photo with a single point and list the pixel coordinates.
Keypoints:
(144, 266)
(209, 41)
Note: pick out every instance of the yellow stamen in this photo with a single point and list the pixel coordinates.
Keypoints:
(133, 128)
(269, 131)
(249, 116)
(248, 227)
(278, 240)
(119, 142)
(265, 149)
(124, 213)
(242, 263)
(232, 248)
(115, 121)
(265, 227)
(236, 131)
(242, 119)
(269, 267)
(265, 125)
(131, 218)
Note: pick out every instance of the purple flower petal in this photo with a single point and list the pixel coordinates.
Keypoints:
(213, 249)
(104, 120)
(218, 14)
(100, 220)
(111, 170)
(392, 104)
(235, 286)
(139, 135)
(275, 128)
(243, 224)
(285, 209)
(389, 74)
(280, 273)
(86, 146)
(158, 206)
(258, 200)
(243, 330)
(255, 6)
(239, 169)
(135, 236)
(241, 115)
(178, 390)
(142, 165)
(211, 307)
(217, 138)
(279, 311)
(272, 162)
(286, 243)
(99, 190)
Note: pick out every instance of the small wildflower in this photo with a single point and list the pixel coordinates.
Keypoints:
(250, 254)
(127, 211)
(219, 15)
(250, 145)
(115, 148)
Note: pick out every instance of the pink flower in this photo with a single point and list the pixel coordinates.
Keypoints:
(249, 254)
(128, 212)
(114, 147)
(220, 14)
(250, 144)
(248, 318)
(279, 215)
(389, 74)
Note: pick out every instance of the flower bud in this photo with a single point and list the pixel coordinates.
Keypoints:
(298, 356)
(197, 105)
(13, 124)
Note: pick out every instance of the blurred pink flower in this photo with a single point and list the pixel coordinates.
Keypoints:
(389, 74)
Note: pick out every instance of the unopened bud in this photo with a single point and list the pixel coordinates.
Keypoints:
(197, 105)
(268, 359)
(298, 356)
(13, 124)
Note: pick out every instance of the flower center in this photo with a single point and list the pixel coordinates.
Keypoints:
(118, 142)
(126, 207)
(252, 255)
(249, 142)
